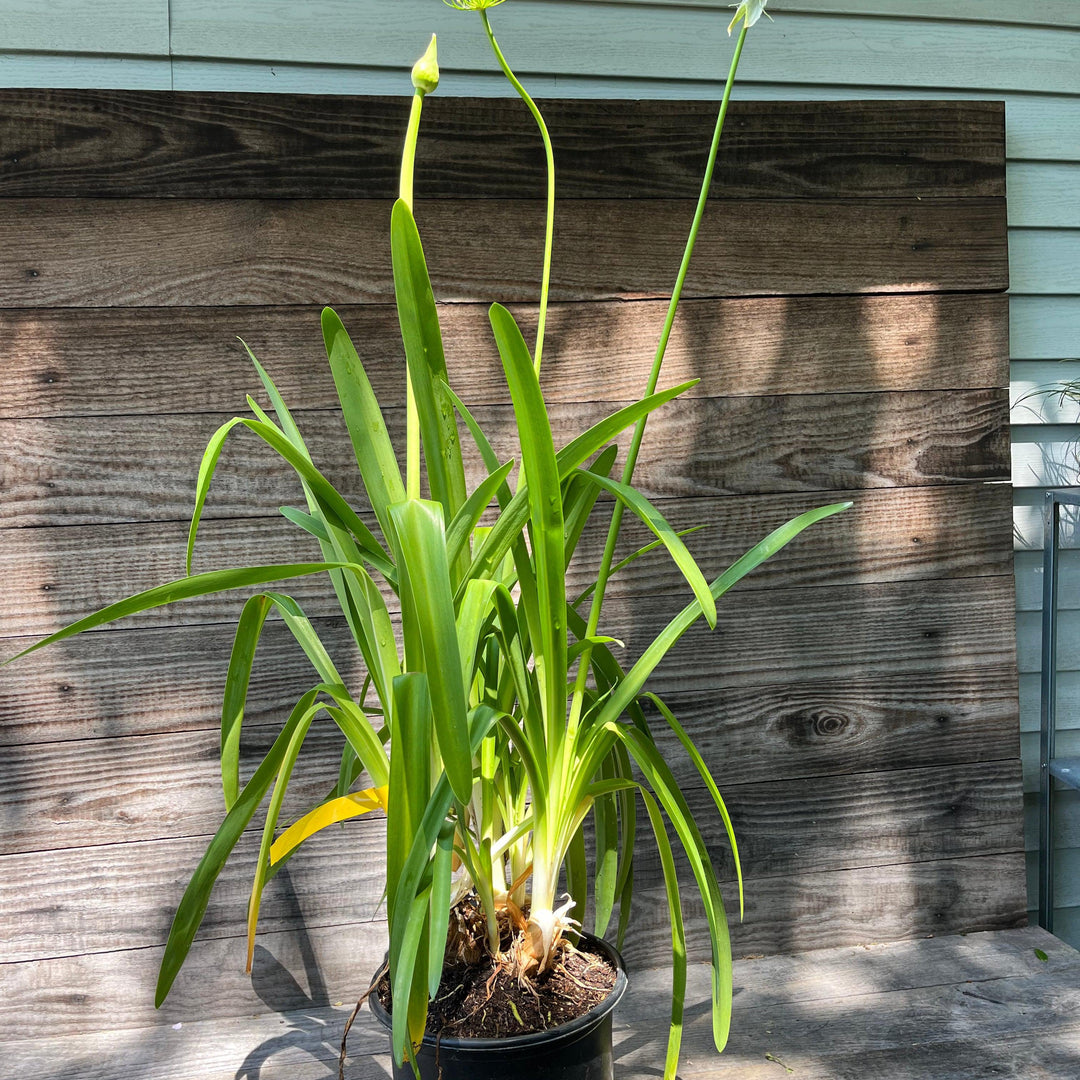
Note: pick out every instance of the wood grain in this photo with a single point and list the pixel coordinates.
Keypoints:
(55, 576)
(238, 251)
(1054, 13)
(872, 995)
(124, 896)
(109, 896)
(293, 969)
(119, 361)
(119, 682)
(305, 969)
(119, 790)
(791, 827)
(105, 682)
(747, 733)
(94, 143)
(858, 905)
(857, 702)
(65, 472)
(108, 791)
(929, 982)
(759, 733)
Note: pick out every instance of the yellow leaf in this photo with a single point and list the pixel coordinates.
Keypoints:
(329, 813)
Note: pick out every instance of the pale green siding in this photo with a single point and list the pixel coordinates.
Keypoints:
(1027, 54)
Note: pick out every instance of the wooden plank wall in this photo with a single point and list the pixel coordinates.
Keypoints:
(846, 317)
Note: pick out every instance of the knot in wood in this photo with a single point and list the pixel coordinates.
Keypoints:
(806, 725)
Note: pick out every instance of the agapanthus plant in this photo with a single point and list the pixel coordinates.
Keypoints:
(499, 724)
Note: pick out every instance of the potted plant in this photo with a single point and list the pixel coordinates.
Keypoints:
(501, 724)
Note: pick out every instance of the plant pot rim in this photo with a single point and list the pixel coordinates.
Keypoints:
(564, 1033)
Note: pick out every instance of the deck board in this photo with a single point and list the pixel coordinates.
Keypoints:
(962, 1006)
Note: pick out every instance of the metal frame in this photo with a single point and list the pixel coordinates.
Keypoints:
(1049, 767)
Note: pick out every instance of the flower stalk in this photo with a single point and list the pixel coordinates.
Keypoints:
(549, 224)
(604, 571)
(425, 80)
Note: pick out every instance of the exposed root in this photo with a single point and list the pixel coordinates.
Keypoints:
(494, 998)
(349, 1022)
(540, 945)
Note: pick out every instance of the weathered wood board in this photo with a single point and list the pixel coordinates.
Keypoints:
(56, 358)
(769, 444)
(846, 320)
(259, 251)
(268, 146)
(956, 1007)
(883, 537)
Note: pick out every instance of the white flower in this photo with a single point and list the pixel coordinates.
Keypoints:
(750, 10)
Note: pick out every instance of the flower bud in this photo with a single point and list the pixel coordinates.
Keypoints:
(425, 72)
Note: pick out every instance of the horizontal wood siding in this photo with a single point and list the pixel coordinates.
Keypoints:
(660, 41)
(846, 320)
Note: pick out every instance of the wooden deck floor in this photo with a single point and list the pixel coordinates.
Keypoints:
(975, 1006)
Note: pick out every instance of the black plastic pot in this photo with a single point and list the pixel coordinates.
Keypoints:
(579, 1050)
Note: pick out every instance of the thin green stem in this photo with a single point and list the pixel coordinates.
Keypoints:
(412, 416)
(545, 286)
(604, 571)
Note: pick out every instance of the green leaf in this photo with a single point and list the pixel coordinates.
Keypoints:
(184, 589)
(403, 977)
(516, 513)
(580, 497)
(634, 680)
(624, 882)
(197, 895)
(487, 453)
(202, 485)
(236, 683)
(372, 628)
(657, 524)
(710, 783)
(330, 501)
(442, 867)
(422, 337)
(476, 611)
(248, 629)
(281, 411)
(262, 865)
(466, 519)
(426, 591)
(410, 774)
(678, 935)
(633, 557)
(543, 482)
(605, 818)
(667, 790)
(577, 874)
(301, 629)
(360, 735)
(417, 867)
(364, 420)
(307, 522)
(606, 669)
(1041, 955)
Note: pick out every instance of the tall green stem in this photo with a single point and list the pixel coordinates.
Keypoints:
(549, 233)
(654, 375)
(412, 416)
